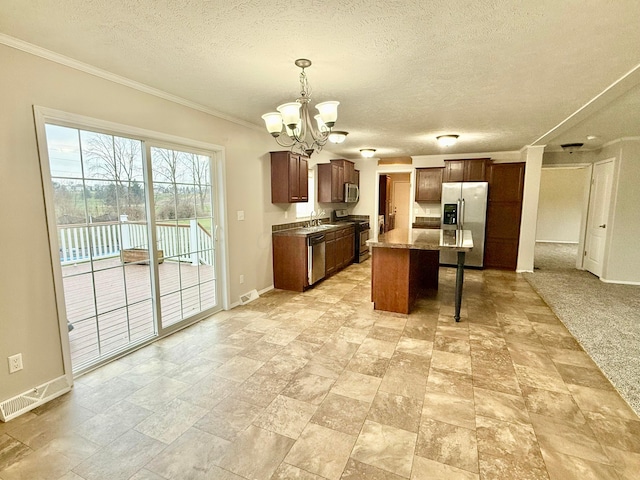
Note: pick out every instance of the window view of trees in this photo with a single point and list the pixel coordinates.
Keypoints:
(98, 177)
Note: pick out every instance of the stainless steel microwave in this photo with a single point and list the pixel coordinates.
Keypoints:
(351, 192)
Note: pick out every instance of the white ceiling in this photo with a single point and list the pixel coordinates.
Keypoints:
(501, 74)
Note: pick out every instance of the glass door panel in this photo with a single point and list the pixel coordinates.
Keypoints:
(184, 220)
(99, 203)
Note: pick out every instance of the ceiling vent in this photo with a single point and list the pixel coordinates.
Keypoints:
(571, 147)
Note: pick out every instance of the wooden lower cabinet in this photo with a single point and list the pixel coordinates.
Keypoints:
(290, 262)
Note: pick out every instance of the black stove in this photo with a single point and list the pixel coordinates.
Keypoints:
(361, 233)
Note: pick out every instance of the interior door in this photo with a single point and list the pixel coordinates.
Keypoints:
(599, 202)
(401, 197)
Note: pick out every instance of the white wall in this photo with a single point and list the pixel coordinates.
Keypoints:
(561, 203)
(28, 317)
(622, 255)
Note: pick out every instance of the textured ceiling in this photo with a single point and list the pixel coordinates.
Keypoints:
(501, 74)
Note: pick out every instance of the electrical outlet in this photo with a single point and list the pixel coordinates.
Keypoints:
(15, 363)
(286, 214)
(241, 279)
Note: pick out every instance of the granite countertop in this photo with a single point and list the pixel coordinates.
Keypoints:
(425, 239)
(306, 231)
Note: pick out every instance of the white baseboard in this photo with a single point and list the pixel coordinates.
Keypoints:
(265, 290)
(618, 282)
(557, 241)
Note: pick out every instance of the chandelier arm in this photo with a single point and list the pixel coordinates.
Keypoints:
(285, 144)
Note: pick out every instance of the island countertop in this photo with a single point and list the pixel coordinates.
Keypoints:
(421, 239)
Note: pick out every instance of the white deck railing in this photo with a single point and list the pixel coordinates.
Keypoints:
(185, 243)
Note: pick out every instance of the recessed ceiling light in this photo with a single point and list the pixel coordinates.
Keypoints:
(447, 140)
(367, 152)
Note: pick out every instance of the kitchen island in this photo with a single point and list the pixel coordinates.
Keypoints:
(405, 261)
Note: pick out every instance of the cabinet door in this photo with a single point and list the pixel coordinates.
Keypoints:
(349, 172)
(475, 170)
(504, 212)
(330, 256)
(454, 171)
(428, 184)
(337, 190)
(294, 177)
(351, 246)
(303, 179)
(356, 174)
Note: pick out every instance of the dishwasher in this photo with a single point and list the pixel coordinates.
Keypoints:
(316, 253)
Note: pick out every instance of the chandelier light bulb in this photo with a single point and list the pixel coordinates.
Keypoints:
(447, 140)
(300, 132)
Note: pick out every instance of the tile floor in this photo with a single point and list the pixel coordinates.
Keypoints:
(320, 386)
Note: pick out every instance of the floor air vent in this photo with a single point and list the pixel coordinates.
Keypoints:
(249, 297)
(20, 404)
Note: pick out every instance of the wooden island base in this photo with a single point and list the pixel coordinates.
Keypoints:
(398, 274)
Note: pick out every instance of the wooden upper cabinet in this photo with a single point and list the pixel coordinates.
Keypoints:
(348, 169)
(429, 184)
(289, 177)
(332, 177)
(506, 181)
(467, 170)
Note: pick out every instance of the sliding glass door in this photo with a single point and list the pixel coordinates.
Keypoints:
(114, 197)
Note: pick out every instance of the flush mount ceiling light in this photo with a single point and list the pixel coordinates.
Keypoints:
(591, 137)
(291, 125)
(571, 147)
(447, 140)
(338, 136)
(367, 152)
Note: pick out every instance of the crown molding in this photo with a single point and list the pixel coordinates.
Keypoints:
(112, 77)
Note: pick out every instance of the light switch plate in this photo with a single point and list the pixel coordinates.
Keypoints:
(240, 215)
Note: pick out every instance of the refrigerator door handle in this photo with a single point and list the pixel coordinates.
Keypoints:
(461, 223)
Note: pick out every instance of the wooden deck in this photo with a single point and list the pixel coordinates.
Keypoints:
(122, 312)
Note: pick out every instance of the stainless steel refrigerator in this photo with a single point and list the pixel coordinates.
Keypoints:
(464, 207)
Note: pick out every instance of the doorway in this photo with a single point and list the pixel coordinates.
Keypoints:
(133, 238)
(394, 201)
(561, 212)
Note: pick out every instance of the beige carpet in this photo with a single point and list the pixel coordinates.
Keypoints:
(604, 318)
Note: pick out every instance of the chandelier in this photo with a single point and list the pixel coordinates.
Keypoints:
(292, 126)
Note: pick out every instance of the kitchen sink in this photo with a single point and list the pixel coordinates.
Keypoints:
(316, 228)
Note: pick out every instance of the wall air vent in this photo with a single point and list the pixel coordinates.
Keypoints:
(249, 297)
(33, 398)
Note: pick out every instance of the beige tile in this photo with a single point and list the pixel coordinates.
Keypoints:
(341, 413)
(286, 416)
(385, 447)
(357, 386)
(537, 378)
(607, 402)
(356, 470)
(42, 464)
(426, 469)
(104, 428)
(410, 363)
(568, 438)
(552, 404)
(455, 362)
(415, 346)
(584, 376)
(238, 368)
(289, 472)
(209, 391)
(510, 467)
(502, 406)
(568, 467)
(368, 365)
(378, 348)
(158, 393)
(120, 459)
(268, 449)
(189, 456)
(446, 443)
(308, 388)
(627, 464)
(396, 411)
(229, 418)
(500, 439)
(459, 384)
(449, 408)
(11, 451)
(400, 383)
(171, 421)
(620, 433)
(321, 451)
